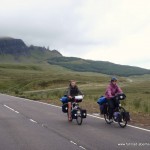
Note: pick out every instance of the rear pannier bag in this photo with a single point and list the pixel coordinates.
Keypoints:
(65, 108)
(103, 109)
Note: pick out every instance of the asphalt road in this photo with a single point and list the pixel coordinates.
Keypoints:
(30, 125)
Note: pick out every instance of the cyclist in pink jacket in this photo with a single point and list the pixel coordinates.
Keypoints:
(112, 90)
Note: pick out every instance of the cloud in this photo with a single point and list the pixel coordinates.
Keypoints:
(116, 31)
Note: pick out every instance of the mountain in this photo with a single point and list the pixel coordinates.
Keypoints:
(82, 65)
(16, 51)
(13, 47)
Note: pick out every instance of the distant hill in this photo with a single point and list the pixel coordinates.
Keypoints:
(16, 51)
(13, 47)
(78, 64)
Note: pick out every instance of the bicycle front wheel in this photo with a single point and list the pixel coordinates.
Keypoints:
(106, 117)
(122, 120)
(79, 116)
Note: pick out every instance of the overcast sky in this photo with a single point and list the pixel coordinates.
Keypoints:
(111, 30)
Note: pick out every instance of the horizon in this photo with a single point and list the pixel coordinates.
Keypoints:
(118, 31)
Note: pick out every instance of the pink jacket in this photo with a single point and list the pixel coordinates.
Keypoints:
(112, 90)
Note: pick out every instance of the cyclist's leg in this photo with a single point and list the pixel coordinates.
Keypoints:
(111, 107)
(116, 103)
(69, 110)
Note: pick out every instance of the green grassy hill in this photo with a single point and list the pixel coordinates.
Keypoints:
(24, 77)
(82, 65)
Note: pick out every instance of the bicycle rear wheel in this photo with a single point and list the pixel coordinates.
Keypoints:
(79, 116)
(122, 120)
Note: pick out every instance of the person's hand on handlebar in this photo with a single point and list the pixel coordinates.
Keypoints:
(70, 97)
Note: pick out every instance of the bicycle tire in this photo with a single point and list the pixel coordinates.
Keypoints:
(123, 121)
(106, 117)
(79, 116)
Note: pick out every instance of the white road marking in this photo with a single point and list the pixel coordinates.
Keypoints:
(11, 109)
(17, 112)
(95, 117)
(60, 107)
(82, 147)
(47, 104)
(95, 114)
(77, 145)
(73, 142)
(138, 128)
(32, 120)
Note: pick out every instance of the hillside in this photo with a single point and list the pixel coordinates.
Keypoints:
(78, 64)
(13, 47)
(16, 51)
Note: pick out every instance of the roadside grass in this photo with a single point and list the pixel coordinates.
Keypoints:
(139, 97)
(48, 83)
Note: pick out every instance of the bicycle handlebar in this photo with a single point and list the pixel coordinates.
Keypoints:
(120, 96)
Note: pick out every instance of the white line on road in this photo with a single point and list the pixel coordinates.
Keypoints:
(73, 142)
(77, 145)
(82, 147)
(17, 112)
(138, 128)
(11, 109)
(87, 114)
(32, 120)
(95, 117)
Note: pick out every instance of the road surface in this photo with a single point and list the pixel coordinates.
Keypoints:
(30, 125)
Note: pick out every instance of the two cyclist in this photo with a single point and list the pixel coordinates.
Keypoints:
(72, 91)
(112, 90)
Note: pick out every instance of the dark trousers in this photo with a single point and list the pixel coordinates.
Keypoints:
(112, 104)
